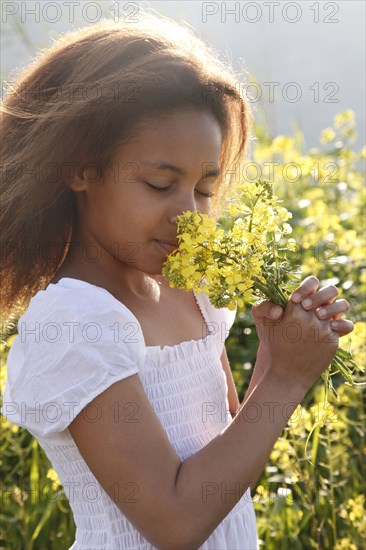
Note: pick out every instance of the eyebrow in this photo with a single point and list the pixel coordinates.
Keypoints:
(162, 165)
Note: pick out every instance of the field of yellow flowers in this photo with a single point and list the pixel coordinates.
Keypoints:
(311, 493)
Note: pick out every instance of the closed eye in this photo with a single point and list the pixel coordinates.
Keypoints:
(162, 189)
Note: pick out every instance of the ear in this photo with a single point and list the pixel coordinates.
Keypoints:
(80, 180)
(77, 182)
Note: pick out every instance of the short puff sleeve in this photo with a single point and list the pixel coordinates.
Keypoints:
(70, 348)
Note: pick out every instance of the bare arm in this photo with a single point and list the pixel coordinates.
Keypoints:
(260, 367)
(258, 371)
(232, 393)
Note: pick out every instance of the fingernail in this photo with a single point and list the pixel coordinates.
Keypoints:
(334, 324)
(276, 312)
(307, 302)
(322, 312)
(296, 297)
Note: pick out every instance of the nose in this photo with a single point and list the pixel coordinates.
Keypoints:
(189, 204)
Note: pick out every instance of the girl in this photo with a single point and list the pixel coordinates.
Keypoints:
(110, 135)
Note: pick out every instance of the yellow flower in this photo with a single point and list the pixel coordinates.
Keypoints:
(348, 133)
(346, 117)
(345, 544)
(3, 376)
(357, 507)
(291, 245)
(281, 144)
(327, 135)
(187, 238)
(52, 475)
(234, 210)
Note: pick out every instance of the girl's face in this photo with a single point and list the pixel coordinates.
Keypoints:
(125, 217)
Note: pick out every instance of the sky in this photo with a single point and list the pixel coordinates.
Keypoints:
(307, 57)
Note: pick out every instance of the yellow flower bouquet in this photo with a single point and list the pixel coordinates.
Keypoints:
(246, 261)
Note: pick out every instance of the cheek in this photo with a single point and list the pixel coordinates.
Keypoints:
(130, 220)
(125, 213)
(119, 203)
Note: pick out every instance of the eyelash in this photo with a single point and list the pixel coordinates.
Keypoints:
(162, 189)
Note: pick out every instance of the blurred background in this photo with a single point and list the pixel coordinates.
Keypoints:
(308, 58)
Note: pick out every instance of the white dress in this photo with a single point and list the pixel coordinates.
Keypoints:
(73, 342)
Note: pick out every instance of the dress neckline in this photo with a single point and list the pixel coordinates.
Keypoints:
(200, 342)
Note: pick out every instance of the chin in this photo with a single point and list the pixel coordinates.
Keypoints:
(151, 269)
(150, 264)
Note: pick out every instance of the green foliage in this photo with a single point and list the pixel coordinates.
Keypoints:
(304, 499)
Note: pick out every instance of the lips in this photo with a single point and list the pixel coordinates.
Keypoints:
(172, 243)
(168, 246)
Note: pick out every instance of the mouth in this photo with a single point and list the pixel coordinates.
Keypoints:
(167, 246)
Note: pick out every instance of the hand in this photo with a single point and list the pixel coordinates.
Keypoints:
(324, 302)
(297, 348)
(310, 299)
(304, 354)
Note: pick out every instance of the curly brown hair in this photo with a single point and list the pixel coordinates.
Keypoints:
(74, 106)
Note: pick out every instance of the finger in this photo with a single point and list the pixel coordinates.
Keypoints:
(267, 309)
(342, 326)
(325, 295)
(337, 308)
(306, 288)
